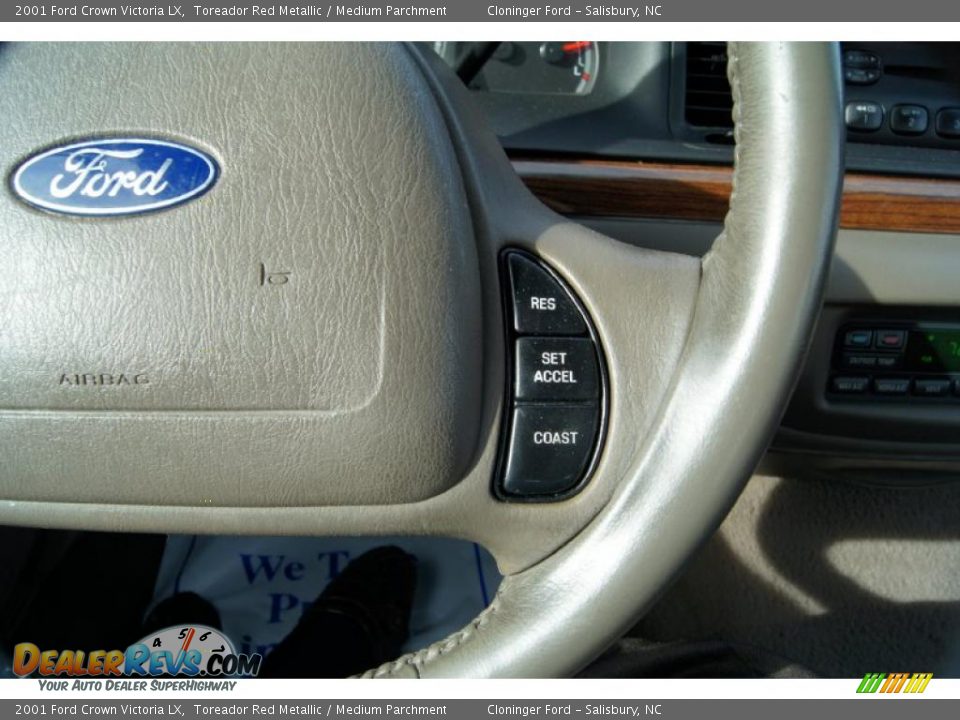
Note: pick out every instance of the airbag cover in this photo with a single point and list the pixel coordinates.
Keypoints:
(304, 333)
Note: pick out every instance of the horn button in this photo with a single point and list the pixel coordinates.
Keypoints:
(305, 333)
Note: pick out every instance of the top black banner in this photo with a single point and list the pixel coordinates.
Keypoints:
(485, 11)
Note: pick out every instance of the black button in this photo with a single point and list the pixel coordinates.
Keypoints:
(849, 385)
(858, 338)
(890, 339)
(931, 387)
(861, 59)
(892, 386)
(861, 76)
(550, 447)
(909, 119)
(557, 369)
(864, 115)
(540, 305)
(948, 122)
(851, 360)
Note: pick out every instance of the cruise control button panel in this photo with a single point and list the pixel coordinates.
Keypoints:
(555, 410)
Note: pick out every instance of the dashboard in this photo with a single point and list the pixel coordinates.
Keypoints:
(672, 101)
(533, 68)
(635, 140)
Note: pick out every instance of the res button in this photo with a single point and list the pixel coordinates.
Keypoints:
(550, 446)
(557, 369)
(540, 305)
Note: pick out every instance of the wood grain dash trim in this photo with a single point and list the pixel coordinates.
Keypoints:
(613, 188)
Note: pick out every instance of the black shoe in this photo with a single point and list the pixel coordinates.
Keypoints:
(359, 621)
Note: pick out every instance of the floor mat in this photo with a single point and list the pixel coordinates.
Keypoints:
(261, 586)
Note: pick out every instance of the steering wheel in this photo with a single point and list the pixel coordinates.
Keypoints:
(318, 339)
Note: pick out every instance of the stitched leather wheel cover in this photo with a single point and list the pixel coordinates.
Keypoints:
(759, 296)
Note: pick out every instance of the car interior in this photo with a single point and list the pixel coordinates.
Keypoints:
(647, 352)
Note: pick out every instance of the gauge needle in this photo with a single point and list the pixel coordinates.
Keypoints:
(571, 47)
(183, 648)
(186, 641)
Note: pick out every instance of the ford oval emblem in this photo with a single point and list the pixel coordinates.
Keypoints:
(114, 176)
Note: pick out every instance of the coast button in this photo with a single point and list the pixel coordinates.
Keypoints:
(550, 447)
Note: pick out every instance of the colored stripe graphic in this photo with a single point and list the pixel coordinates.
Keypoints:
(894, 683)
(919, 682)
(870, 682)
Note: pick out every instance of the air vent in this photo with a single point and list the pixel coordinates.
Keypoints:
(708, 101)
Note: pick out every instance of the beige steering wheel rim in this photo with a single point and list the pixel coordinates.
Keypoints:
(759, 297)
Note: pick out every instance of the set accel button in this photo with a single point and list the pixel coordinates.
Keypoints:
(556, 369)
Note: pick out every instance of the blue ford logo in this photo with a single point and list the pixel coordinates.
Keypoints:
(114, 176)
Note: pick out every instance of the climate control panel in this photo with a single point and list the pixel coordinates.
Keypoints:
(556, 386)
(896, 361)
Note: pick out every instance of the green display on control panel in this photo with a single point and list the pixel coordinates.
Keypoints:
(934, 350)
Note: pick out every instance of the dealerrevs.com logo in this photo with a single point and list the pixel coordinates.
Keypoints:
(187, 651)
